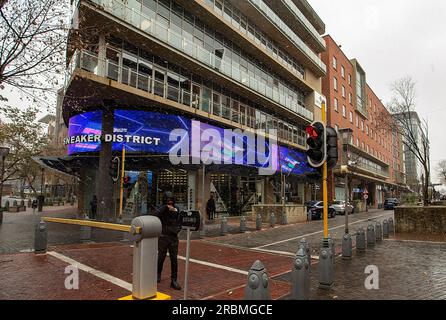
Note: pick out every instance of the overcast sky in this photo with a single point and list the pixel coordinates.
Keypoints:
(392, 39)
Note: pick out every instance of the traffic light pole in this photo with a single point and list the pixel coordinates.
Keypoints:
(324, 183)
(121, 184)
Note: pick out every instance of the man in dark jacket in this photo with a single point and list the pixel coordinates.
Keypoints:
(168, 240)
(210, 207)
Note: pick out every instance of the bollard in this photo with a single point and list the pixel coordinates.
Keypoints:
(259, 222)
(385, 229)
(145, 253)
(40, 237)
(224, 226)
(300, 277)
(284, 219)
(85, 234)
(360, 240)
(378, 232)
(272, 220)
(371, 238)
(325, 267)
(391, 227)
(258, 283)
(304, 245)
(29, 203)
(243, 224)
(332, 247)
(346, 246)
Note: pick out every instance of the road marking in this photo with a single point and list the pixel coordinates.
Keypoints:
(214, 265)
(90, 270)
(415, 241)
(317, 232)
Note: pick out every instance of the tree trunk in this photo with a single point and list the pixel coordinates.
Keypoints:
(426, 187)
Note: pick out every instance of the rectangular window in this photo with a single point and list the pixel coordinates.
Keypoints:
(350, 79)
(342, 72)
(350, 98)
(367, 129)
(336, 104)
(343, 91)
(362, 125)
(344, 112)
(337, 128)
(357, 121)
(335, 83)
(351, 117)
(335, 62)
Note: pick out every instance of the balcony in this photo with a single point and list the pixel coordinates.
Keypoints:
(198, 53)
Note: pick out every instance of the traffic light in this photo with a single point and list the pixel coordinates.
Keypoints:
(332, 147)
(126, 182)
(316, 151)
(114, 169)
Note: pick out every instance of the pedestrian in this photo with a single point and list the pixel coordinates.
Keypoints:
(210, 207)
(93, 207)
(168, 240)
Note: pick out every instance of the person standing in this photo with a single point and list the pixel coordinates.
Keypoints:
(210, 207)
(168, 240)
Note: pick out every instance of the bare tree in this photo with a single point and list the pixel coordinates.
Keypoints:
(441, 170)
(32, 45)
(405, 121)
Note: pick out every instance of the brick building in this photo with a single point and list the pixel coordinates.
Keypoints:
(374, 152)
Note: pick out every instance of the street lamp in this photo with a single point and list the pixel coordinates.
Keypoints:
(346, 240)
(4, 151)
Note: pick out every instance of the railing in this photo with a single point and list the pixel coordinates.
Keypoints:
(300, 16)
(274, 18)
(155, 29)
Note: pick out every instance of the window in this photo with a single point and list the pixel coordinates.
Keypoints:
(350, 79)
(362, 125)
(344, 112)
(335, 83)
(343, 91)
(336, 104)
(357, 142)
(350, 99)
(362, 145)
(337, 128)
(342, 72)
(357, 121)
(367, 129)
(351, 117)
(335, 62)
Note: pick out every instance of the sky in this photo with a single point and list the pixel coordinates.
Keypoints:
(392, 39)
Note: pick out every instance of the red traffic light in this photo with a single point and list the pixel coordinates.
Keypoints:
(312, 132)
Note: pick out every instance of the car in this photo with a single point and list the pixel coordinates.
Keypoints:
(317, 208)
(390, 203)
(339, 206)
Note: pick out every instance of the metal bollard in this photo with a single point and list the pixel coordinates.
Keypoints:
(284, 218)
(371, 237)
(378, 232)
(145, 253)
(258, 283)
(40, 237)
(391, 227)
(325, 267)
(243, 224)
(300, 277)
(305, 246)
(259, 222)
(272, 220)
(85, 233)
(224, 226)
(385, 228)
(347, 246)
(332, 247)
(360, 240)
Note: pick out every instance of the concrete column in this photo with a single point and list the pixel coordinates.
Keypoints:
(201, 203)
(102, 56)
(104, 185)
(81, 194)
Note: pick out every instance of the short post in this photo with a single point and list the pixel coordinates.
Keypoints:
(145, 253)
(385, 228)
(259, 222)
(224, 226)
(347, 246)
(371, 237)
(272, 220)
(40, 237)
(325, 267)
(378, 231)
(300, 276)
(284, 218)
(391, 227)
(243, 224)
(258, 283)
(360, 240)
(332, 247)
(304, 245)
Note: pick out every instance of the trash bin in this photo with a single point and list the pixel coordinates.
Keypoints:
(40, 202)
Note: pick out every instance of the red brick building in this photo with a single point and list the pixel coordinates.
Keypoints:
(375, 157)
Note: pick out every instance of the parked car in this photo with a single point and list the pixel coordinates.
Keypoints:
(317, 209)
(390, 203)
(339, 206)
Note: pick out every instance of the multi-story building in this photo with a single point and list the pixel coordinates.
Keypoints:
(376, 169)
(413, 167)
(149, 66)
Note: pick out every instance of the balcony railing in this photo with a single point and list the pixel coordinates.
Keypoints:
(89, 61)
(274, 18)
(153, 28)
(300, 16)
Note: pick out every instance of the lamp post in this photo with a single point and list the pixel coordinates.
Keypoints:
(346, 240)
(4, 151)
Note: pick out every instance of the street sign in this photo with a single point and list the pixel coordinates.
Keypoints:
(366, 196)
(190, 220)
